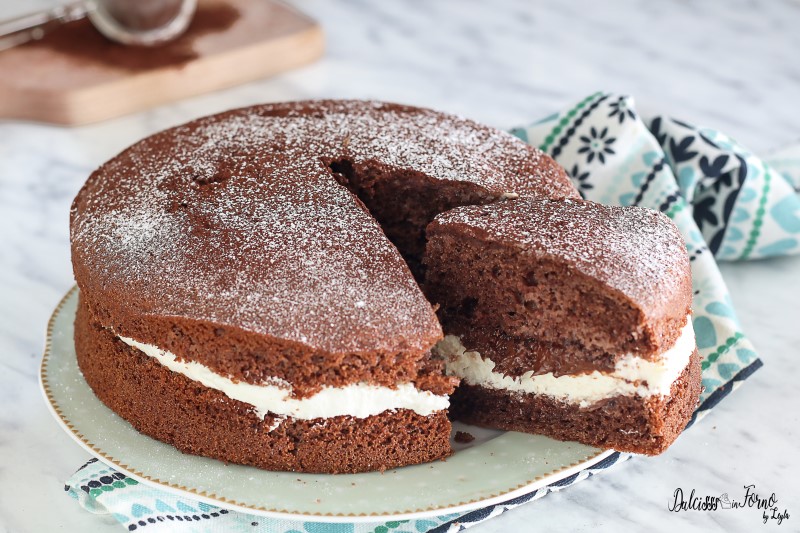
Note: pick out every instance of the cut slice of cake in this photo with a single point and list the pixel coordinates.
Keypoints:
(566, 318)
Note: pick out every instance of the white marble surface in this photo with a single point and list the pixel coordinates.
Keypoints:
(732, 65)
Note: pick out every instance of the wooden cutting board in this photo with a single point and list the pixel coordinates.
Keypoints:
(75, 76)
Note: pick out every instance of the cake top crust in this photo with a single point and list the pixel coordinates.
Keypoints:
(634, 250)
(236, 219)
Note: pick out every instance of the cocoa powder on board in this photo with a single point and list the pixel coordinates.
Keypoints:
(81, 40)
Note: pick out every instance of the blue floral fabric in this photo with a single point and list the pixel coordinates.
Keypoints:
(729, 205)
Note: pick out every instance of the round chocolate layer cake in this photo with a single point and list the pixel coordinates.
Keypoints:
(249, 281)
(252, 290)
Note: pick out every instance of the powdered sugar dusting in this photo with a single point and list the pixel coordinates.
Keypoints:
(237, 220)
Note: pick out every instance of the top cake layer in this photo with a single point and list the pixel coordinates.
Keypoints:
(635, 250)
(608, 279)
(230, 241)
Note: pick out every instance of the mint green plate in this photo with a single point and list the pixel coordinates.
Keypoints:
(495, 467)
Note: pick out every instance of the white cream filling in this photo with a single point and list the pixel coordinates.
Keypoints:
(632, 375)
(358, 400)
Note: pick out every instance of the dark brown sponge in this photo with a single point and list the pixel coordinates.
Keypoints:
(601, 278)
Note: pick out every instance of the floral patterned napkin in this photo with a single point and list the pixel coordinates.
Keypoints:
(728, 203)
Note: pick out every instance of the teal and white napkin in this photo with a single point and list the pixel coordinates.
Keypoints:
(729, 204)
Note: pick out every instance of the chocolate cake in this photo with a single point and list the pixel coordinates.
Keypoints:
(250, 290)
(244, 293)
(566, 318)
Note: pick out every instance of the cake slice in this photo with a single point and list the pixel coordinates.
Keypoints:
(566, 318)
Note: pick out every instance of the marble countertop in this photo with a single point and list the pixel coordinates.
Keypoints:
(732, 66)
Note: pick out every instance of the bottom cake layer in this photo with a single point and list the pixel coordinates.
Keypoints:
(202, 421)
(636, 424)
